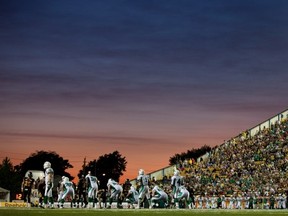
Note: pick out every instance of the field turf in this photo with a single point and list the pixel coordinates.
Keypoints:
(139, 212)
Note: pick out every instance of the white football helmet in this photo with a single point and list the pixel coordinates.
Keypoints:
(176, 172)
(66, 179)
(110, 181)
(141, 172)
(47, 164)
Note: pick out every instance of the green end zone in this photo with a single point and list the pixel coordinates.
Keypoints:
(142, 212)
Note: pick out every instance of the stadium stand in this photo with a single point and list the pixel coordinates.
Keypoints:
(248, 171)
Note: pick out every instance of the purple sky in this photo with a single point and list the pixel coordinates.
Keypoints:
(146, 78)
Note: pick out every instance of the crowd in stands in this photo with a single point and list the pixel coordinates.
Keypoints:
(245, 172)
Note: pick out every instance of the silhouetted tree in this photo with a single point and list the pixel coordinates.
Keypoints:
(193, 153)
(10, 178)
(36, 160)
(107, 166)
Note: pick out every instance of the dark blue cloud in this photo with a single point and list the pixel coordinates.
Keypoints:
(209, 53)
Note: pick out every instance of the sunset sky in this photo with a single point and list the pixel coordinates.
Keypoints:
(147, 78)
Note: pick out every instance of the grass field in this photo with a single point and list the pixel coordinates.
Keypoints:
(140, 212)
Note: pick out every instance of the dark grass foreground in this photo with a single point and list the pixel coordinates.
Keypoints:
(139, 212)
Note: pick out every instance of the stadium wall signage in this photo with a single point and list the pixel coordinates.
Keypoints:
(13, 204)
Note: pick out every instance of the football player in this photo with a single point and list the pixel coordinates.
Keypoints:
(115, 191)
(143, 183)
(49, 179)
(92, 185)
(159, 198)
(102, 198)
(27, 184)
(183, 195)
(60, 189)
(176, 182)
(132, 197)
(81, 190)
(68, 190)
(41, 191)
